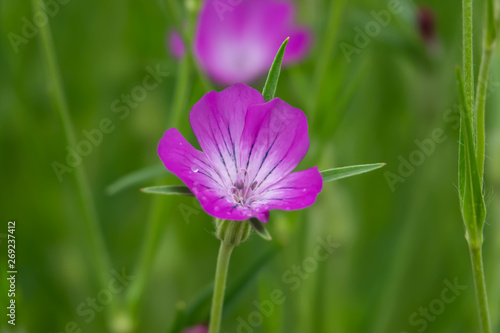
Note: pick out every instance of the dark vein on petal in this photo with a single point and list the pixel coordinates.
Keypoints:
(265, 157)
(234, 149)
(206, 175)
(250, 154)
(263, 180)
(209, 166)
(220, 153)
(283, 188)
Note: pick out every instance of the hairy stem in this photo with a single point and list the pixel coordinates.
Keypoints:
(468, 53)
(482, 89)
(489, 42)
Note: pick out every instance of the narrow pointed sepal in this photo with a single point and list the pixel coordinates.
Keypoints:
(168, 190)
(260, 229)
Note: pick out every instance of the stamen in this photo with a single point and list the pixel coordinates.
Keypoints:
(241, 191)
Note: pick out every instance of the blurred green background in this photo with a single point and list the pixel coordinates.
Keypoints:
(397, 246)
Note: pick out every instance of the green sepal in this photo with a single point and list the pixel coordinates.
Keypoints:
(260, 229)
(274, 73)
(348, 171)
(168, 190)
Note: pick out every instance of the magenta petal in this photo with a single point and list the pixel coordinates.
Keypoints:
(295, 191)
(189, 164)
(273, 142)
(194, 169)
(217, 121)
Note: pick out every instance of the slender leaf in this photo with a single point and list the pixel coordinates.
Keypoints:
(168, 190)
(470, 183)
(274, 73)
(349, 171)
(136, 177)
(260, 229)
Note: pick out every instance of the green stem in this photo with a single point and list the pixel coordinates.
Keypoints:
(219, 286)
(181, 92)
(146, 257)
(95, 239)
(480, 285)
(152, 237)
(482, 88)
(489, 41)
(468, 53)
(151, 240)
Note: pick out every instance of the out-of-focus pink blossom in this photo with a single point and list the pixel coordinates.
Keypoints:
(236, 40)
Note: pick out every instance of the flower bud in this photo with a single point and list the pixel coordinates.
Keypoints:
(232, 232)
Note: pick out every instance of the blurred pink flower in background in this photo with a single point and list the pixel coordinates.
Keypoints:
(236, 41)
(176, 44)
(196, 329)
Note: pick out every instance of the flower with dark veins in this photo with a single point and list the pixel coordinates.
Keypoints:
(249, 150)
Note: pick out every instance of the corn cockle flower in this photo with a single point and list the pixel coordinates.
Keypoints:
(249, 150)
(236, 41)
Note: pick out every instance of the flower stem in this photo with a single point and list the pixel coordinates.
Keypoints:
(481, 107)
(181, 91)
(489, 42)
(220, 285)
(480, 285)
(468, 53)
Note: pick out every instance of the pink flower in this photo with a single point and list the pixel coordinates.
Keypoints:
(236, 40)
(249, 149)
(176, 45)
(196, 329)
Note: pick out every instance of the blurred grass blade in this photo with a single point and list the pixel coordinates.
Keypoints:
(328, 44)
(136, 177)
(260, 229)
(348, 171)
(180, 318)
(168, 190)
(470, 184)
(94, 237)
(274, 73)
(491, 23)
(344, 93)
(198, 311)
(236, 289)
